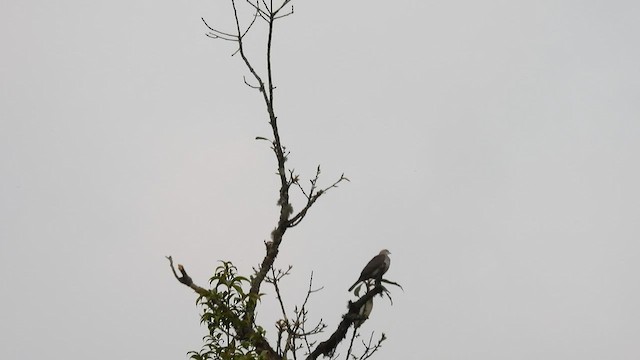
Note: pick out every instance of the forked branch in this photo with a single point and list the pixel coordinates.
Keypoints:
(328, 347)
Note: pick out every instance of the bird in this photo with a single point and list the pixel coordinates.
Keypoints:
(375, 268)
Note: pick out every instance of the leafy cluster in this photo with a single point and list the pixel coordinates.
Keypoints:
(224, 312)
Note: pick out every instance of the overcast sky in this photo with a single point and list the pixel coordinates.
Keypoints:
(492, 147)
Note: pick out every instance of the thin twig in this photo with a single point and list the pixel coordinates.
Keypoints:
(217, 34)
(284, 3)
(284, 15)
(256, 6)
(351, 343)
(312, 198)
(370, 350)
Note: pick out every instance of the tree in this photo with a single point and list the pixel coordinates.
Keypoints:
(229, 304)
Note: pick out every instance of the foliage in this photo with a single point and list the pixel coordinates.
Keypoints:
(222, 342)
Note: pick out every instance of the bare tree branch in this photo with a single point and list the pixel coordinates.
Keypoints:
(328, 347)
(186, 279)
(283, 202)
(217, 34)
(283, 15)
(370, 349)
(353, 337)
(313, 197)
(284, 3)
(264, 15)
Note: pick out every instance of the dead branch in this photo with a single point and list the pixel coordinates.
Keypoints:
(328, 347)
(185, 278)
(370, 348)
(217, 34)
(312, 197)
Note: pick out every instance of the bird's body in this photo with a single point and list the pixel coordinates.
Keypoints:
(375, 268)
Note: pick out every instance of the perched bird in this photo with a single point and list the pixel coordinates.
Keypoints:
(375, 268)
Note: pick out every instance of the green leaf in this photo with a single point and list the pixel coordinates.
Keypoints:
(238, 289)
(357, 290)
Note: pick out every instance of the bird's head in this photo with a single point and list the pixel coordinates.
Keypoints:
(385, 252)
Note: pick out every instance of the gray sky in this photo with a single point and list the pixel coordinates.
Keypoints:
(492, 147)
